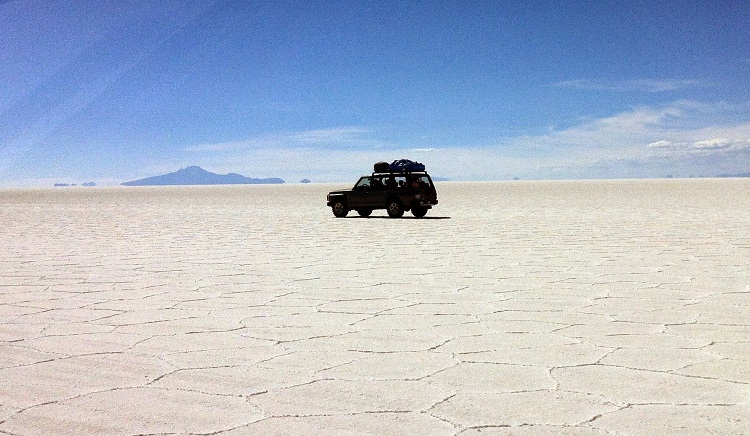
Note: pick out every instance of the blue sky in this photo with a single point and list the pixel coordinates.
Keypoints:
(476, 90)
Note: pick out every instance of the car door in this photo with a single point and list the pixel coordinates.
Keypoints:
(360, 193)
(377, 194)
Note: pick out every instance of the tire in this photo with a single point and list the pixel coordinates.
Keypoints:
(419, 212)
(364, 212)
(394, 208)
(340, 209)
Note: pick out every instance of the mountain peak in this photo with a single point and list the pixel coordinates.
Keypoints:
(193, 168)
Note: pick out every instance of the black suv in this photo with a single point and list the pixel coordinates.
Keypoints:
(395, 191)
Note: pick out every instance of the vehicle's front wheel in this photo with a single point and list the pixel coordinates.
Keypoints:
(394, 208)
(340, 209)
(419, 212)
(364, 212)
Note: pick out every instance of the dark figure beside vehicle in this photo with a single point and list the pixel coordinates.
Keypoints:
(399, 187)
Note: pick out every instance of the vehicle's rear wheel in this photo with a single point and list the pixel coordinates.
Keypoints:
(340, 209)
(419, 212)
(364, 212)
(394, 208)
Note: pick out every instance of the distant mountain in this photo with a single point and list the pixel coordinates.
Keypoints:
(198, 176)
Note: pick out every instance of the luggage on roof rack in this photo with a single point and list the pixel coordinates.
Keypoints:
(381, 167)
(405, 165)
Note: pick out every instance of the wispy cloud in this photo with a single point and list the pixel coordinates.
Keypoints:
(680, 138)
(702, 147)
(647, 141)
(259, 142)
(642, 85)
(335, 137)
(661, 144)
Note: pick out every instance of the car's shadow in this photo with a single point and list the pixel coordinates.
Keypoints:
(386, 217)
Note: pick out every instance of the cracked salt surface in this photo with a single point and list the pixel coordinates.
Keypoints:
(571, 308)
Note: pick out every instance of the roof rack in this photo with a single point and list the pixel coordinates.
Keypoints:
(392, 172)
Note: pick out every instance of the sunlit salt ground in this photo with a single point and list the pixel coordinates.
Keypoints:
(525, 308)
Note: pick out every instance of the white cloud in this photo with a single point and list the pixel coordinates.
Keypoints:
(716, 143)
(722, 144)
(681, 138)
(661, 144)
(260, 142)
(702, 147)
(642, 85)
(336, 137)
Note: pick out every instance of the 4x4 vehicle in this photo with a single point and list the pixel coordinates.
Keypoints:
(395, 190)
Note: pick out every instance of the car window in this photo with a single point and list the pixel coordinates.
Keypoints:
(388, 182)
(364, 182)
(419, 182)
(424, 181)
(393, 181)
